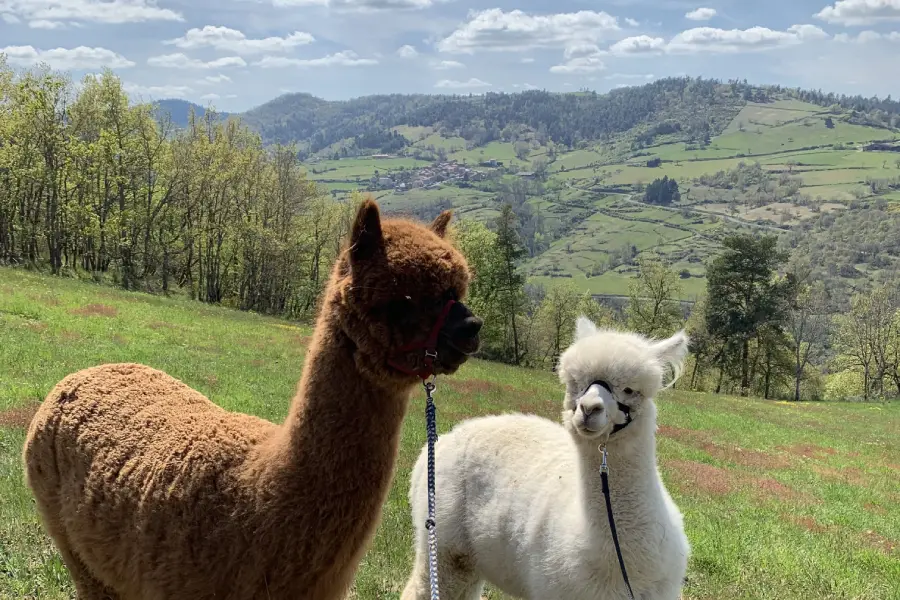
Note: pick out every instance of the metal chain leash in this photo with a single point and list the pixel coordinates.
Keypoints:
(431, 428)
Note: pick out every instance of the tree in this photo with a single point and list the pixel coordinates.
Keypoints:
(510, 281)
(744, 295)
(653, 307)
(829, 122)
(702, 343)
(662, 192)
(540, 167)
(522, 149)
(866, 338)
(497, 290)
(808, 326)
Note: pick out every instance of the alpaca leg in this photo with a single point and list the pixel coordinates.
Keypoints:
(87, 586)
(417, 584)
(455, 580)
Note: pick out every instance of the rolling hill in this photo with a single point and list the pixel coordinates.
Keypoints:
(179, 110)
(574, 166)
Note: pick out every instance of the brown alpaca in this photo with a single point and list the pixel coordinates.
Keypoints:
(152, 492)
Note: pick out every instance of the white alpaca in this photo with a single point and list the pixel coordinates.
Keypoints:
(519, 501)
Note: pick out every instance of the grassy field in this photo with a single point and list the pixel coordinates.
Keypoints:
(781, 501)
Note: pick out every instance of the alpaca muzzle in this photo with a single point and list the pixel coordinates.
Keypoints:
(624, 408)
(428, 347)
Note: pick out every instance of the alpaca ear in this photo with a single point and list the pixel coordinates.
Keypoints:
(584, 327)
(439, 225)
(366, 237)
(673, 351)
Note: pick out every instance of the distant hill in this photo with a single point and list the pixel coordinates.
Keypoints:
(695, 108)
(699, 106)
(179, 110)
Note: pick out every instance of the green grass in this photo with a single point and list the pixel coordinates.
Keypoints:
(364, 167)
(503, 151)
(771, 114)
(413, 133)
(451, 144)
(781, 501)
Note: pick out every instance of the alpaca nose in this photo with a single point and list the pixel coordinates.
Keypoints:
(590, 406)
(469, 327)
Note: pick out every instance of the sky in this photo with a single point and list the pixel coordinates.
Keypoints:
(236, 54)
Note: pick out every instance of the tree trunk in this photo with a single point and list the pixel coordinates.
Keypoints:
(745, 368)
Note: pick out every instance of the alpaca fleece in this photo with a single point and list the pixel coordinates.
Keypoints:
(152, 492)
(519, 499)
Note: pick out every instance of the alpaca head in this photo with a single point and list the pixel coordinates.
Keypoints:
(610, 373)
(402, 284)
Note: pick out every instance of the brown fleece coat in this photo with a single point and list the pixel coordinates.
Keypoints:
(152, 492)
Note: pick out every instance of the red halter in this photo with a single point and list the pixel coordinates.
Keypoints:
(429, 346)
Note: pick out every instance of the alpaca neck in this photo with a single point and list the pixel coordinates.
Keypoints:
(631, 458)
(334, 456)
(344, 419)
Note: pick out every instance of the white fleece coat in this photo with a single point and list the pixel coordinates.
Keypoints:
(519, 501)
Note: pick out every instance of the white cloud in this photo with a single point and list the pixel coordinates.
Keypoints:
(10, 19)
(527, 60)
(582, 49)
(525, 86)
(97, 11)
(494, 29)
(45, 24)
(631, 22)
(407, 51)
(581, 64)
(64, 59)
(640, 44)
(157, 91)
(210, 97)
(701, 14)
(446, 65)
(232, 40)
(581, 58)
(710, 39)
(868, 36)
(217, 79)
(182, 61)
(359, 5)
(860, 12)
(470, 84)
(346, 58)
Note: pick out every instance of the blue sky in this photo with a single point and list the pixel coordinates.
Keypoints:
(241, 53)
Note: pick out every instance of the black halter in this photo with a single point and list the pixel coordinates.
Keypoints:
(626, 410)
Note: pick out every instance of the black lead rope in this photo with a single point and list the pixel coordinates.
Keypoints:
(604, 478)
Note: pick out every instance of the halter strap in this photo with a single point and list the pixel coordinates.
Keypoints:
(429, 347)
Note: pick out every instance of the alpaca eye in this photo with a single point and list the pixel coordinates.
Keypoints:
(628, 391)
(400, 309)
